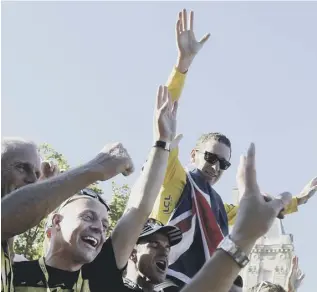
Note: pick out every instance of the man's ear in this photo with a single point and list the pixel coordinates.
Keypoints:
(133, 256)
(192, 156)
(56, 220)
(49, 232)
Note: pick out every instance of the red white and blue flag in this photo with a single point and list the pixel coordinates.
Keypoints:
(201, 216)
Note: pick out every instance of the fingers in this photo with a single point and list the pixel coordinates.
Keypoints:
(246, 176)
(176, 141)
(45, 167)
(268, 198)
(182, 22)
(301, 277)
(178, 28)
(159, 102)
(311, 192)
(313, 182)
(241, 175)
(174, 109)
(280, 202)
(164, 100)
(165, 96)
(49, 169)
(128, 171)
(250, 172)
(191, 20)
(184, 18)
(204, 39)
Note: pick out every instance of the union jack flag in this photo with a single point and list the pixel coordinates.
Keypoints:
(201, 216)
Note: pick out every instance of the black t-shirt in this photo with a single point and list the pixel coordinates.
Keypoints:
(102, 275)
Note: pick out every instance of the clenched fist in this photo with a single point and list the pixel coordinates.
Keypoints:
(48, 170)
(112, 160)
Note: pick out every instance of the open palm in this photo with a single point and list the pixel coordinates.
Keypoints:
(165, 115)
(187, 44)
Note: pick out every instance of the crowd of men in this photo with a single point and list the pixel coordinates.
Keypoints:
(173, 235)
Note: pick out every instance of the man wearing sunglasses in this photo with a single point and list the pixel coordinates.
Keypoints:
(79, 258)
(210, 159)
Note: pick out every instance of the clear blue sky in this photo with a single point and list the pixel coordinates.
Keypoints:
(79, 75)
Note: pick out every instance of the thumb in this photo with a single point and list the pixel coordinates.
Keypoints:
(280, 202)
(45, 168)
(176, 141)
(204, 39)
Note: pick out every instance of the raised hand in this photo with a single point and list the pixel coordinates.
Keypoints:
(165, 116)
(48, 170)
(188, 46)
(295, 276)
(255, 215)
(112, 160)
(308, 191)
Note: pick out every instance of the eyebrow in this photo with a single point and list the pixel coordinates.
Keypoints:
(105, 220)
(30, 165)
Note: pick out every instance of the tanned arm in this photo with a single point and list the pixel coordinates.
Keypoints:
(218, 274)
(27, 206)
(147, 187)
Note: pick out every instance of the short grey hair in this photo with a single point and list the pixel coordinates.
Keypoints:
(10, 144)
(215, 136)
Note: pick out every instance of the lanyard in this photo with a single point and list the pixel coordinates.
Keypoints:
(77, 285)
(6, 269)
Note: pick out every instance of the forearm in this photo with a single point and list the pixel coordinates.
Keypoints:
(219, 273)
(147, 187)
(175, 83)
(27, 206)
(139, 207)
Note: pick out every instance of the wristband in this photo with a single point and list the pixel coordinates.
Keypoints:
(162, 144)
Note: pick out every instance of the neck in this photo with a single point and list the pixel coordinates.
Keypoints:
(138, 278)
(62, 260)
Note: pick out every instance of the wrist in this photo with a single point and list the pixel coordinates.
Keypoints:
(92, 171)
(245, 244)
(160, 144)
(183, 64)
(163, 139)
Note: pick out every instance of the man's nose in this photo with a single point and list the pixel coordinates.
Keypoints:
(164, 251)
(216, 166)
(30, 178)
(97, 227)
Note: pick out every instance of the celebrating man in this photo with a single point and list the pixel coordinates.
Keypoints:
(187, 199)
(21, 168)
(148, 262)
(79, 257)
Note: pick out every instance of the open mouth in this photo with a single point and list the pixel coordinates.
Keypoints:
(162, 265)
(90, 240)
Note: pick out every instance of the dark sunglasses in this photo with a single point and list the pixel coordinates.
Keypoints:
(153, 222)
(214, 158)
(93, 194)
(88, 193)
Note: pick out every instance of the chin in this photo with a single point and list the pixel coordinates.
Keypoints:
(86, 258)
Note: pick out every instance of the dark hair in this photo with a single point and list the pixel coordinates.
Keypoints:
(216, 136)
(268, 286)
